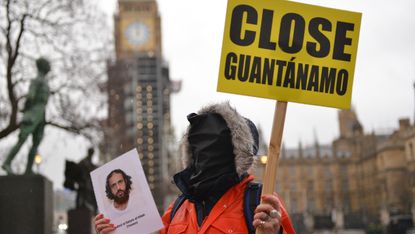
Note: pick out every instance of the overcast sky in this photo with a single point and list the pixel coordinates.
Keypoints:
(383, 84)
(192, 38)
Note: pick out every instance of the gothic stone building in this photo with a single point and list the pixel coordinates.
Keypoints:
(358, 181)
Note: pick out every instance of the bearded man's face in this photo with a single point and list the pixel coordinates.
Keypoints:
(118, 188)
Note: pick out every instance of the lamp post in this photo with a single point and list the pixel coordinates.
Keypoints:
(260, 167)
(38, 161)
(264, 159)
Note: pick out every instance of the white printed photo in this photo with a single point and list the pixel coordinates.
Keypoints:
(123, 195)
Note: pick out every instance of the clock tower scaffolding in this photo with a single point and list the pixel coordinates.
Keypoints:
(139, 93)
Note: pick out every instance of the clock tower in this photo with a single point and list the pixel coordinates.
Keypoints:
(137, 28)
(139, 89)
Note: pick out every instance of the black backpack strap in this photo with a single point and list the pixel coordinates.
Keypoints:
(251, 200)
(179, 201)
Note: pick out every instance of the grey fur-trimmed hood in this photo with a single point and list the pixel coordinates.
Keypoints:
(242, 138)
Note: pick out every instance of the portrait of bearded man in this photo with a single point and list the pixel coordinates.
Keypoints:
(117, 189)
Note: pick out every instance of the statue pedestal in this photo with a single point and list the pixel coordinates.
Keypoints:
(26, 204)
(80, 221)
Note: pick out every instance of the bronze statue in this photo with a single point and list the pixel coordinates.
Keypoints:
(33, 122)
(77, 178)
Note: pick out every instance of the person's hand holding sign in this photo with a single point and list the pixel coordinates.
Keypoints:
(268, 214)
(103, 225)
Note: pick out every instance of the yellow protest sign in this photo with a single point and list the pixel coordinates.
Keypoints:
(289, 51)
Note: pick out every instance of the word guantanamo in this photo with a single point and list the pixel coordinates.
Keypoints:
(286, 74)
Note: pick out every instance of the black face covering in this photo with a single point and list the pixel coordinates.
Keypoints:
(213, 167)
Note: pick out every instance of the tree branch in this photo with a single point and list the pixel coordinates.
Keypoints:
(9, 129)
(53, 29)
(66, 128)
(19, 38)
(78, 130)
(12, 96)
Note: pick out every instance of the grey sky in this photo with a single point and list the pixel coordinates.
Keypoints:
(382, 90)
(192, 39)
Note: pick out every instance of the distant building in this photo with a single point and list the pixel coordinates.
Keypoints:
(410, 163)
(139, 90)
(359, 181)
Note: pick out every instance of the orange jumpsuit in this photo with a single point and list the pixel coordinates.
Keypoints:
(227, 215)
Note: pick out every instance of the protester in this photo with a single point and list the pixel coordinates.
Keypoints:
(219, 148)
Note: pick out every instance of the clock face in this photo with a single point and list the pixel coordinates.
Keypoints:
(137, 33)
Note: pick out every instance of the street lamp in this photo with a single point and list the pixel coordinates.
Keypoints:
(62, 227)
(38, 161)
(264, 159)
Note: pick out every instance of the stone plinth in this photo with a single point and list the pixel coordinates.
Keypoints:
(79, 221)
(26, 204)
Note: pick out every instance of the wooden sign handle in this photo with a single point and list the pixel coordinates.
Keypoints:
(274, 150)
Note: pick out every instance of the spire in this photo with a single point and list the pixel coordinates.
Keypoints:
(283, 151)
(316, 144)
(315, 136)
(300, 149)
(263, 146)
(414, 108)
(349, 124)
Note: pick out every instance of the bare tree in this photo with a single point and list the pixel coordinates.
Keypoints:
(75, 37)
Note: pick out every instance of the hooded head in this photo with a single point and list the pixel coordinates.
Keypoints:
(219, 147)
(218, 137)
